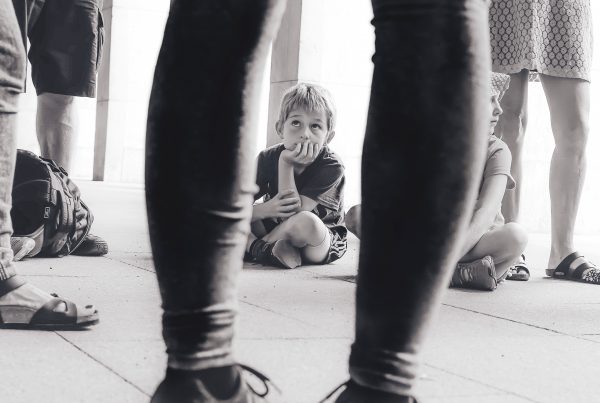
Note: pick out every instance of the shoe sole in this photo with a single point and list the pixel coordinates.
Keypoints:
(287, 254)
(26, 248)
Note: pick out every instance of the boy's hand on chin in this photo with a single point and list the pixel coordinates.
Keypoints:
(304, 153)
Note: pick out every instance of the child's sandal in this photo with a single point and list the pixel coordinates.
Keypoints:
(520, 271)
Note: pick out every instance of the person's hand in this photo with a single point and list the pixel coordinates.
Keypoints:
(304, 153)
(283, 205)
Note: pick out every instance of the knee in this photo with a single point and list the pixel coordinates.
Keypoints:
(353, 220)
(305, 226)
(517, 238)
(572, 138)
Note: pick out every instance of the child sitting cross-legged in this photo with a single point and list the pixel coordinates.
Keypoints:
(491, 246)
(301, 220)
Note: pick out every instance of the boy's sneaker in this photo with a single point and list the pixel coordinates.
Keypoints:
(92, 245)
(280, 253)
(354, 393)
(21, 247)
(181, 386)
(479, 274)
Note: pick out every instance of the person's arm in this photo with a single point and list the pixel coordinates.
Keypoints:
(487, 207)
(287, 160)
(283, 205)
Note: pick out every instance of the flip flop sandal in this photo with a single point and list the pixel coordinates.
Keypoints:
(565, 270)
(45, 317)
(520, 271)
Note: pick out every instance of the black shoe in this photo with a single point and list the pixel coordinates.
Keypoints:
(354, 393)
(181, 386)
(92, 245)
(279, 254)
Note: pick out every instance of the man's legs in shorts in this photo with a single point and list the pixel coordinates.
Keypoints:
(200, 145)
(66, 45)
(18, 300)
(422, 160)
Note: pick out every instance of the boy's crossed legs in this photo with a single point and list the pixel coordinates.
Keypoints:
(302, 237)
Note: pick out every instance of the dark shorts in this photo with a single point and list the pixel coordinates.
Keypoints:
(66, 38)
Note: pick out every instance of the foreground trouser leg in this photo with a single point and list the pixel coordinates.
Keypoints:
(12, 78)
(200, 168)
(422, 160)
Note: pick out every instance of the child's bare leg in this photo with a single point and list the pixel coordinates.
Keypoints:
(353, 220)
(504, 245)
(305, 231)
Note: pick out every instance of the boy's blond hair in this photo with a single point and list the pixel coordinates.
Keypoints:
(311, 97)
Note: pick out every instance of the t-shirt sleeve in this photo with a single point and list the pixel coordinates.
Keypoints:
(498, 163)
(326, 186)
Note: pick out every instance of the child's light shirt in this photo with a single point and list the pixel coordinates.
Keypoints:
(498, 162)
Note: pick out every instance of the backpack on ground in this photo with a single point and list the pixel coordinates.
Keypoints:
(47, 206)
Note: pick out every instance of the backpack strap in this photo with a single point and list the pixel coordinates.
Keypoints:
(67, 216)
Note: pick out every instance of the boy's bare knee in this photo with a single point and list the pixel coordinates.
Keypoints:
(305, 226)
(518, 237)
(353, 220)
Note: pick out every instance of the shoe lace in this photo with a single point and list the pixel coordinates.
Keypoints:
(334, 391)
(261, 377)
(466, 273)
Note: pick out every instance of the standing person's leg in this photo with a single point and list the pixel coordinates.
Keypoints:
(56, 127)
(569, 103)
(511, 129)
(429, 143)
(200, 143)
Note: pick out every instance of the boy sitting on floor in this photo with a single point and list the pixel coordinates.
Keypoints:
(490, 246)
(302, 181)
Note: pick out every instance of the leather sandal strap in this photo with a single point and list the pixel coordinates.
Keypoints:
(47, 316)
(578, 272)
(563, 269)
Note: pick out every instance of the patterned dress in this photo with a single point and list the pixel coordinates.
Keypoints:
(552, 37)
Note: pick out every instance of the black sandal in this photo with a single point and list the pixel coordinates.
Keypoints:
(45, 317)
(566, 272)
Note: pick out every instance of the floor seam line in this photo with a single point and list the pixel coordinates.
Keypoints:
(482, 383)
(277, 313)
(520, 323)
(102, 364)
(129, 264)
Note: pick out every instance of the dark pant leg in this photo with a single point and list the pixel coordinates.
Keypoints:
(422, 161)
(200, 170)
(12, 77)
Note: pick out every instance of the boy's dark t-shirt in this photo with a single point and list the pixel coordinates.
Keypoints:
(322, 181)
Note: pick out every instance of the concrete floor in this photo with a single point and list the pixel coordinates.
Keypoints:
(527, 342)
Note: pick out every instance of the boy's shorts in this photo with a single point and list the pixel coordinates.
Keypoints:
(66, 38)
